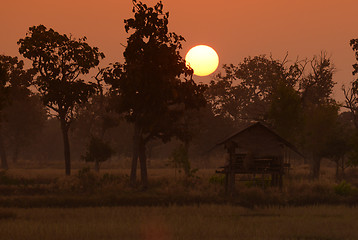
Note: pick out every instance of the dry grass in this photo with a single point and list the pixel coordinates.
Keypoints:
(174, 222)
(49, 187)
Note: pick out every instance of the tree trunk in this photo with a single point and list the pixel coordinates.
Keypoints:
(342, 167)
(133, 177)
(66, 147)
(143, 165)
(4, 164)
(96, 166)
(337, 169)
(316, 167)
(15, 155)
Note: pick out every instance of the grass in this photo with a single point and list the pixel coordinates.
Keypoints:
(182, 222)
(49, 188)
(44, 204)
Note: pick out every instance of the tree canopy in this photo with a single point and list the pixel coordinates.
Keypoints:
(59, 61)
(244, 92)
(24, 114)
(147, 86)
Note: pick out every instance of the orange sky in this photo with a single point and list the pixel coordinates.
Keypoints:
(236, 29)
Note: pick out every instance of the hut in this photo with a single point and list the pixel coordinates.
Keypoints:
(257, 150)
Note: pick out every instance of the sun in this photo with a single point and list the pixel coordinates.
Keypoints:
(202, 59)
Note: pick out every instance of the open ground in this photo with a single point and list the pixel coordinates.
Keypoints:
(43, 204)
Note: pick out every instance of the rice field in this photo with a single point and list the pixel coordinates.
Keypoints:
(284, 221)
(180, 222)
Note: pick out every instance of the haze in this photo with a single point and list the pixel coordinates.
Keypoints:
(235, 29)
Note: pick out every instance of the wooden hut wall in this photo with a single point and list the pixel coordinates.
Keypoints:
(259, 141)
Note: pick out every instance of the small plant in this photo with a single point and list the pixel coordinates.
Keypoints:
(180, 160)
(344, 189)
(217, 179)
(88, 180)
(98, 151)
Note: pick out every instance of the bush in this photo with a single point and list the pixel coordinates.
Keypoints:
(88, 180)
(344, 189)
(217, 179)
(98, 151)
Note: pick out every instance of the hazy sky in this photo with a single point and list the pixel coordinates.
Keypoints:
(236, 28)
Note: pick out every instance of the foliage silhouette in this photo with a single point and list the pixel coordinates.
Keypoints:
(59, 61)
(4, 81)
(244, 92)
(147, 88)
(351, 93)
(25, 115)
(320, 110)
(98, 151)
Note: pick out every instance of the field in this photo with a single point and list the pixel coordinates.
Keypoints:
(44, 204)
(181, 222)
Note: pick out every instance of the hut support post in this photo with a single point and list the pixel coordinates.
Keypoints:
(230, 176)
(226, 183)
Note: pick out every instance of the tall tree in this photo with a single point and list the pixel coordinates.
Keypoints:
(95, 118)
(286, 112)
(59, 62)
(147, 86)
(320, 123)
(351, 93)
(24, 121)
(320, 110)
(24, 116)
(4, 85)
(351, 103)
(317, 87)
(18, 81)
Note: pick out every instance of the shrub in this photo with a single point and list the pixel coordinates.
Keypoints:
(217, 179)
(88, 180)
(344, 189)
(98, 151)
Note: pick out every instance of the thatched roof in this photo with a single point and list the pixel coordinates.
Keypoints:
(263, 129)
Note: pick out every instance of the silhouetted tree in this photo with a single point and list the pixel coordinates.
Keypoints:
(95, 118)
(317, 87)
(286, 112)
(25, 115)
(24, 121)
(59, 61)
(98, 151)
(147, 86)
(4, 85)
(340, 144)
(319, 131)
(351, 103)
(320, 110)
(351, 92)
(244, 92)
